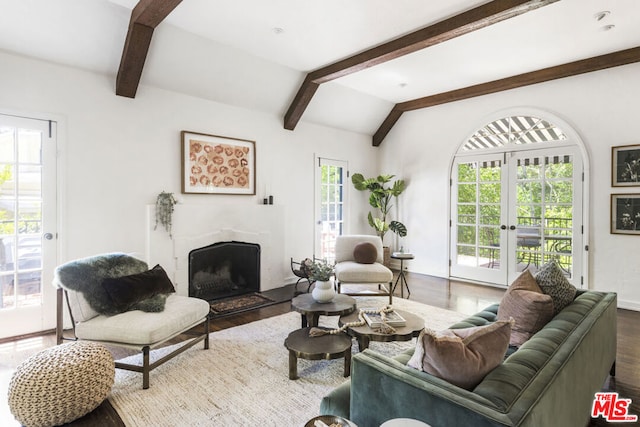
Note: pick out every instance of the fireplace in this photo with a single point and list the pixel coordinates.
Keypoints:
(224, 269)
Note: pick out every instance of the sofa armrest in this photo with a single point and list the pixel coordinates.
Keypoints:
(383, 388)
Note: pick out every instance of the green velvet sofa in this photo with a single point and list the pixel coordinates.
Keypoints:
(549, 381)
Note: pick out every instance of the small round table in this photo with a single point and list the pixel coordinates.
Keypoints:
(401, 277)
(324, 347)
(364, 334)
(312, 310)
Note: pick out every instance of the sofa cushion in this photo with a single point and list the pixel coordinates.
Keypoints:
(462, 356)
(554, 283)
(131, 291)
(530, 308)
(365, 253)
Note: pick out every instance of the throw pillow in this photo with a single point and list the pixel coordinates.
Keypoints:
(365, 253)
(462, 357)
(139, 291)
(530, 308)
(554, 283)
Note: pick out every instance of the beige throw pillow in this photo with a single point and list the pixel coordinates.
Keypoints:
(530, 308)
(462, 357)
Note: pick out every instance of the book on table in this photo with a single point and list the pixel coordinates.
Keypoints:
(392, 318)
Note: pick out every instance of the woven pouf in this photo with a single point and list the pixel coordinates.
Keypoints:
(61, 384)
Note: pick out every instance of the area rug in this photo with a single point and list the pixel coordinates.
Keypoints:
(239, 303)
(242, 380)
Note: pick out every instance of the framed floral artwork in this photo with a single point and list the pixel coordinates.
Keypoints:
(625, 214)
(625, 166)
(214, 164)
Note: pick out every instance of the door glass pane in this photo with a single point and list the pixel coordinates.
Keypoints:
(478, 219)
(331, 208)
(545, 212)
(20, 218)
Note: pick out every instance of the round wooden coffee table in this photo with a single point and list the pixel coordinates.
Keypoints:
(312, 310)
(324, 347)
(364, 334)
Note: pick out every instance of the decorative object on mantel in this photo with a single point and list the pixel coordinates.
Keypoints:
(214, 164)
(321, 272)
(380, 199)
(383, 327)
(164, 211)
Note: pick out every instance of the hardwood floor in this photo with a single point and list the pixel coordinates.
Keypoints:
(458, 296)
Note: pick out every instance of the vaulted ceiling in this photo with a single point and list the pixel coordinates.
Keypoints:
(357, 65)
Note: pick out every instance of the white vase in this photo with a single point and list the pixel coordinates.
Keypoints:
(323, 291)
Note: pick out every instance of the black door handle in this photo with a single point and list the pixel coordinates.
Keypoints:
(512, 227)
(503, 227)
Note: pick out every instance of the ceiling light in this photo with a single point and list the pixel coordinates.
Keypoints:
(601, 15)
(277, 30)
(403, 84)
(608, 27)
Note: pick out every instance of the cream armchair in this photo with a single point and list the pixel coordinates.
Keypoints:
(98, 314)
(349, 271)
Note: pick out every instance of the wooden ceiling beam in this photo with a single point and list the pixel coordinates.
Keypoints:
(145, 17)
(597, 63)
(464, 23)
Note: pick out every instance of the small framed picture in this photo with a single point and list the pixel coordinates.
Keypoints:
(625, 214)
(625, 166)
(214, 164)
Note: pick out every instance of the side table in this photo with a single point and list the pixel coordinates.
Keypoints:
(326, 347)
(401, 277)
(312, 310)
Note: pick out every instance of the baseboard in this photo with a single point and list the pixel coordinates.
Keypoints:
(629, 305)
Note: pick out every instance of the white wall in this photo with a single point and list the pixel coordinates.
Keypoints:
(602, 107)
(119, 153)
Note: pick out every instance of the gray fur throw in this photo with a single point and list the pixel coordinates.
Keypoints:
(87, 274)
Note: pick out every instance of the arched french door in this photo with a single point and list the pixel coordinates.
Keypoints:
(517, 201)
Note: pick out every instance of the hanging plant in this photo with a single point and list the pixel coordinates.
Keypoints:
(164, 210)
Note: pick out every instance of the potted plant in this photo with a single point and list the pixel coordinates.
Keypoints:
(320, 272)
(380, 198)
(382, 192)
(165, 203)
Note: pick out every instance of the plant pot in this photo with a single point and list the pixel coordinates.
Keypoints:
(386, 256)
(323, 292)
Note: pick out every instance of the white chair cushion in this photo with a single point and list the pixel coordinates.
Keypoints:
(79, 306)
(141, 328)
(345, 245)
(352, 272)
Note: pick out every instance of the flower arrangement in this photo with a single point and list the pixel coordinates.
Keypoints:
(319, 270)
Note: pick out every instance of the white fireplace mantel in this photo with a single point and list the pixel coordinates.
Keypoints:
(200, 225)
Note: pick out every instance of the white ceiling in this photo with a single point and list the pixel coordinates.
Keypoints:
(255, 53)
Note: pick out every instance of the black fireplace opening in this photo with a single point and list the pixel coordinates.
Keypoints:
(224, 269)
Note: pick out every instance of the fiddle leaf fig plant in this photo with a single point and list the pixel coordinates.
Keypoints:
(380, 198)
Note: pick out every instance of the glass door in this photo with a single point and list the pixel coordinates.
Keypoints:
(514, 211)
(545, 220)
(27, 225)
(330, 196)
(477, 200)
